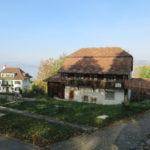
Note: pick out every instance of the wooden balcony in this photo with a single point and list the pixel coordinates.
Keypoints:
(95, 84)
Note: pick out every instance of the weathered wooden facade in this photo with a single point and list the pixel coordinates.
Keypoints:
(56, 87)
(93, 75)
(140, 88)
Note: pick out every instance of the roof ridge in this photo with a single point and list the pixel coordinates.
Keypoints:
(100, 52)
(95, 56)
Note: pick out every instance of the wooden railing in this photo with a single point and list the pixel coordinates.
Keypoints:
(95, 84)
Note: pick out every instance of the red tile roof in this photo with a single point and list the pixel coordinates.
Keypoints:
(105, 60)
(19, 73)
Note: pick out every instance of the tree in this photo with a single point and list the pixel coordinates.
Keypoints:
(143, 72)
(48, 68)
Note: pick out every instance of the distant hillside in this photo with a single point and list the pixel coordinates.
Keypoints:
(141, 63)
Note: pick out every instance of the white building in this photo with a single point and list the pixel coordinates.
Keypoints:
(13, 79)
(93, 75)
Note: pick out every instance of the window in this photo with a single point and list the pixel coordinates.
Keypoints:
(118, 85)
(7, 75)
(85, 98)
(109, 94)
(4, 82)
(93, 99)
(17, 82)
(17, 89)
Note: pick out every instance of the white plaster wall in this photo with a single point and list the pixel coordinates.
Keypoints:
(18, 85)
(26, 84)
(2, 90)
(97, 93)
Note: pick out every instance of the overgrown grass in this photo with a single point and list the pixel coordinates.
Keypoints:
(42, 133)
(34, 131)
(81, 113)
(3, 101)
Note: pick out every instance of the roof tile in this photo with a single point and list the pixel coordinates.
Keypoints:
(105, 60)
(20, 74)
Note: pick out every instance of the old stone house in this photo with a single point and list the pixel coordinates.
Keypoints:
(94, 75)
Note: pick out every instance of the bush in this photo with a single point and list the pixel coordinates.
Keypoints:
(3, 100)
(33, 92)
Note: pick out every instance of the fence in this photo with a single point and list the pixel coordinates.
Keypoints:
(140, 88)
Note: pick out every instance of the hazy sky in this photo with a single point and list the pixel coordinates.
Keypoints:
(31, 30)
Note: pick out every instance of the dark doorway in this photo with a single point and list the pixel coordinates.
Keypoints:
(71, 95)
(56, 90)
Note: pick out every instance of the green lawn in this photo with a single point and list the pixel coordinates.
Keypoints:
(34, 131)
(81, 113)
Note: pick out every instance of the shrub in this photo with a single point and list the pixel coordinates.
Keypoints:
(3, 100)
(34, 91)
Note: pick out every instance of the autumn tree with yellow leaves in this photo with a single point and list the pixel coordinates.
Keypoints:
(48, 68)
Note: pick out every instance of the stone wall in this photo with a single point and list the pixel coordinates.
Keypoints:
(98, 94)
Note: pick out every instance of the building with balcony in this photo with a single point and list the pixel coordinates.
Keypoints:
(13, 79)
(94, 75)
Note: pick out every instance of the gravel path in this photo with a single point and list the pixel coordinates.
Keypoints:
(123, 135)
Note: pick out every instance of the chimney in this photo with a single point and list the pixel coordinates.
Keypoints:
(3, 67)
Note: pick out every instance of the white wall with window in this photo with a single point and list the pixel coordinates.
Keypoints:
(26, 84)
(99, 96)
(14, 85)
(17, 85)
(7, 75)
